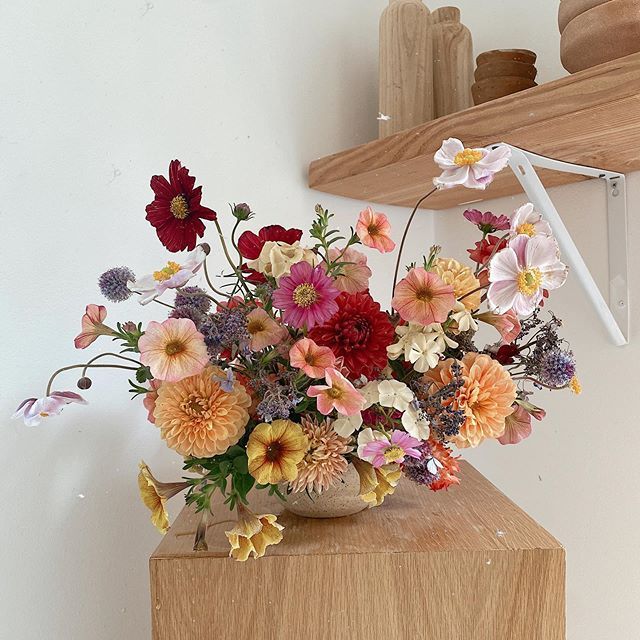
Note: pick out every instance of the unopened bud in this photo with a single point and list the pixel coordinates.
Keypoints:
(84, 383)
(206, 247)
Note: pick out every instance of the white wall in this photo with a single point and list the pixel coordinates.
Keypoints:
(98, 96)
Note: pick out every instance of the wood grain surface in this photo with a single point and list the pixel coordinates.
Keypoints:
(465, 564)
(591, 118)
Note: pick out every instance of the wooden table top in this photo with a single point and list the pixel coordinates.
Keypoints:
(473, 516)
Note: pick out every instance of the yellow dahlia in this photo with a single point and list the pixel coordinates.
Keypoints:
(155, 494)
(376, 483)
(461, 278)
(253, 534)
(198, 418)
(486, 397)
(274, 451)
(324, 463)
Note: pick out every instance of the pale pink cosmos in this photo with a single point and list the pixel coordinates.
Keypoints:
(526, 220)
(338, 394)
(373, 229)
(507, 324)
(33, 410)
(311, 358)
(517, 426)
(354, 274)
(422, 297)
(381, 451)
(92, 326)
(521, 272)
(472, 168)
(263, 330)
(173, 349)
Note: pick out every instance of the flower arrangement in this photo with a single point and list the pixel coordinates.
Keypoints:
(284, 371)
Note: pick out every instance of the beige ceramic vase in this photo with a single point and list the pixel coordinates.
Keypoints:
(343, 499)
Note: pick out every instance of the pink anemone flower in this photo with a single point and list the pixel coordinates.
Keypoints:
(373, 229)
(338, 394)
(395, 449)
(92, 326)
(526, 220)
(33, 410)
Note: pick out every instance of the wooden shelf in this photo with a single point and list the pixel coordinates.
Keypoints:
(463, 564)
(590, 118)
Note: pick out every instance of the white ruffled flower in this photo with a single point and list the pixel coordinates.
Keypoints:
(277, 258)
(463, 318)
(527, 221)
(370, 394)
(416, 422)
(393, 393)
(345, 425)
(425, 352)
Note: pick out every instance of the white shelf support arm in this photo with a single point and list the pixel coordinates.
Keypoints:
(615, 313)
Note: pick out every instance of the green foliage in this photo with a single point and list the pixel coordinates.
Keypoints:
(129, 337)
(327, 237)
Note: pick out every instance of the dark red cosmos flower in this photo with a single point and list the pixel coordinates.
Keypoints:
(485, 247)
(250, 245)
(359, 333)
(176, 211)
(506, 354)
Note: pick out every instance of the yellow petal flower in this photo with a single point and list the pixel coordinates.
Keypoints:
(155, 494)
(253, 534)
(376, 484)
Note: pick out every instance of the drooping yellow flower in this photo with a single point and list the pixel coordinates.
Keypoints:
(253, 534)
(376, 484)
(274, 451)
(575, 385)
(461, 278)
(155, 494)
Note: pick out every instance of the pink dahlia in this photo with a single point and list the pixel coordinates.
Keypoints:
(307, 296)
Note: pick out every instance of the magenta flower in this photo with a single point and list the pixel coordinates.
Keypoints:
(307, 296)
(32, 410)
(382, 451)
(521, 273)
(487, 222)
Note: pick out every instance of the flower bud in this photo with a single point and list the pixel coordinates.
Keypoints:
(84, 383)
(206, 247)
(241, 211)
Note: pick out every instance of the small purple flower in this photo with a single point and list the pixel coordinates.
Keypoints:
(424, 470)
(557, 368)
(226, 383)
(487, 222)
(114, 284)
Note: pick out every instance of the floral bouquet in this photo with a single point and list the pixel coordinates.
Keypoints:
(284, 373)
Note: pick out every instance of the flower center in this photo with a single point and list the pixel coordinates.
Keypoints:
(424, 295)
(174, 347)
(255, 326)
(529, 281)
(467, 157)
(373, 229)
(393, 454)
(305, 294)
(166, 272)
(334, 393)
(527, 229)
(273, 451)
(179, 207)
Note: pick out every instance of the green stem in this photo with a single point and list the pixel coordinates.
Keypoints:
(86, 366)
(236, 270)
(115, 355)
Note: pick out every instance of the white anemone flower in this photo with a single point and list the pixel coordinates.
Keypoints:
(463, 318)
(527, 221)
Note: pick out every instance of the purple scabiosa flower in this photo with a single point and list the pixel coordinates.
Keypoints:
(425, 469)
(114, 284)
(487, 222)
(556, 368)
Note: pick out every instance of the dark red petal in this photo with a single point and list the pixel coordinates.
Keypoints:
(277, 233)
(250, 245)
(162, 188)
(174, 169)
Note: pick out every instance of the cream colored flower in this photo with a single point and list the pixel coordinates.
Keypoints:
(463, 318)
(376, 484)
(155, 494)
(408, 335)
(252, 534)
(424, 352)
(394, 393)
(277, 258)
(461, 278)
(416, 422)
(345, 425)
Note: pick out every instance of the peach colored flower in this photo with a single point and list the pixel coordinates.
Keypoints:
(311, 358)
(373, 230)
(173, 349)
(355, 274)
(423, 298)
(507, 324)
(197, 417)
(150, 398)
(486, 397)
(376, 484)
(517, 426)
(461, 278)
(92, 326)
(338, 394)
(264, 330)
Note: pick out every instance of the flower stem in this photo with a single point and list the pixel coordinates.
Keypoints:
(115, 355)
(86, 366)
(542, 384)
(236, 270)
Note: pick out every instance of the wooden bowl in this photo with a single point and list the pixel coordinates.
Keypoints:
(514, 55)
(603, 33)
(494, 88)
(501, 68)
(570, 9)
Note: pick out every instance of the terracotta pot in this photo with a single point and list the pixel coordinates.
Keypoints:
(515, 55)
(606, 32)
(570, 9)
(343, 499)
(500, 68)
(493, 88)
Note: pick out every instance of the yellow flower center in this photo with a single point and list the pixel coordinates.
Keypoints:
(255, 326)
(393, 454)
(166, 272)
(179, 207)
(529, 281)
(527, 229)
(305, 294)
(467, 157)
(174, 347)
(44, 414)
(335, 392)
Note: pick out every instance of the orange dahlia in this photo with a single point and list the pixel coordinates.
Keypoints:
(461, 278)
(197, 417)
(486, 397)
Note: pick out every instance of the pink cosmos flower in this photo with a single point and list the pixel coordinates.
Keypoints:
(306, 296)
(311, 358)
(395, 449)
(92, 326)
(173, 349)
(487, 222)
(338, 394)
(373, 229)
(526, 220)
(422, 297)
(507, 324)
(517, 426)
(520, 273)
(472, 168)
(32, 410)
(355, 275)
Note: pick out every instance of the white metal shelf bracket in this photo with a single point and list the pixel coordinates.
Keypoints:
(615, 313)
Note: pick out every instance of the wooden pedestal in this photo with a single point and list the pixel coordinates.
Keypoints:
(466, 564)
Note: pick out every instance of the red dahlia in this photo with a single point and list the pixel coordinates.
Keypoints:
(359, 333)
(176, 211)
